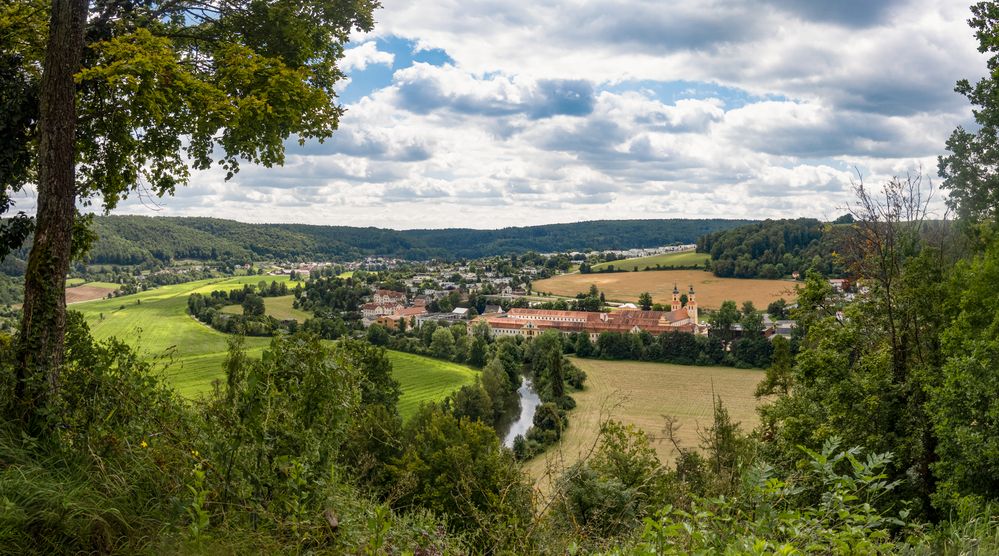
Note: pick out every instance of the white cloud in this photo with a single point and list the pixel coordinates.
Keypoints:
(555, 112)
(358, 57)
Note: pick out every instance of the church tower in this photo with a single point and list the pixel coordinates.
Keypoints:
(692, 305)
(676, 298)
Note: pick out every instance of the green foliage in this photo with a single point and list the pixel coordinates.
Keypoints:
(442, 344)
(645, 301)
(828, 508)
(779, 375)
(773, 249)
(967, 169)
(458, 468)
(963, 406)
(377, 335)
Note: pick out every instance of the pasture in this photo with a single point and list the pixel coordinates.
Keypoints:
(190, 354)
(641, 393)
(710, 290)
(686, 258)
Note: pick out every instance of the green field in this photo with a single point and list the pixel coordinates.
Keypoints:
(424, 379)
(277, 307)
(685, 259)
(191, 354)
(70, 282)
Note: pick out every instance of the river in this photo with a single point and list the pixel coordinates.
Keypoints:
(529, 402)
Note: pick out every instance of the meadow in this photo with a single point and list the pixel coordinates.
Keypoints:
(280, 308)
(641, 394)
(190, 354)
(710, 289)
(687, 258)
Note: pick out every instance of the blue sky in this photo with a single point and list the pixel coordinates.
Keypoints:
(488, 114)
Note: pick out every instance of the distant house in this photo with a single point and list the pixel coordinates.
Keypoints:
(375, 310)
(388, 296)
(491, 309)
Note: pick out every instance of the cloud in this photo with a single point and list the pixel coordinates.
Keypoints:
(489, 113)
(359, 57)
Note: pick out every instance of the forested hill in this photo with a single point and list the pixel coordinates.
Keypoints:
(775, 248)
(134, 239)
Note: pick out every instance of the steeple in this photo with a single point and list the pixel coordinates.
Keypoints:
(676, 298)
(692, 305)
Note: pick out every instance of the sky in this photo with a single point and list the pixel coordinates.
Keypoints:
(487, 114)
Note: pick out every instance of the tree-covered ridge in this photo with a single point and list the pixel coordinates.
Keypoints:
(774, 248)
(135, 239)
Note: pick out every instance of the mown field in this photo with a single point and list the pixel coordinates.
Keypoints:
(641, 393)
(424, 379)
(191, 354)
(687, 258)
(278, 307)
(711, 290)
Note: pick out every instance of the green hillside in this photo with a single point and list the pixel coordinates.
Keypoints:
(192, 354)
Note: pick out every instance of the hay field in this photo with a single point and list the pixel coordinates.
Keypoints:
(641, 393)
(711, 290)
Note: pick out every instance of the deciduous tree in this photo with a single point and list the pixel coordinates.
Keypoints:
(131, 96)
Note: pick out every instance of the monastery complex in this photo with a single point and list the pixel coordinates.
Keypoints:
(532, 322)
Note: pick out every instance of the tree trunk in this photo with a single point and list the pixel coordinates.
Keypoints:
(43, 328)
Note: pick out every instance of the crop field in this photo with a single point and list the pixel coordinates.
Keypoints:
(641, 393)
(191, 354)
(278, 307)
(85, 291)
(687, 258)
(711, 290)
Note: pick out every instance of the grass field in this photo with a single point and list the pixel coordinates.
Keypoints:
(277, 307)
(424, 379)
(70, 282)
(192, 353)
(156, 321)
(711, 290)
(641, 393)
(688, 258)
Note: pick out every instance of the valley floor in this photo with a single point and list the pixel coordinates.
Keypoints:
(641, 394)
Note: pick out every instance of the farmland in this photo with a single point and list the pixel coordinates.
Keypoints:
(641, 394)
(191, 354)
(688, 258)
(80, 291)
(711, 290)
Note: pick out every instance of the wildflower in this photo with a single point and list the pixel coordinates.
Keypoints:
(144, 444)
